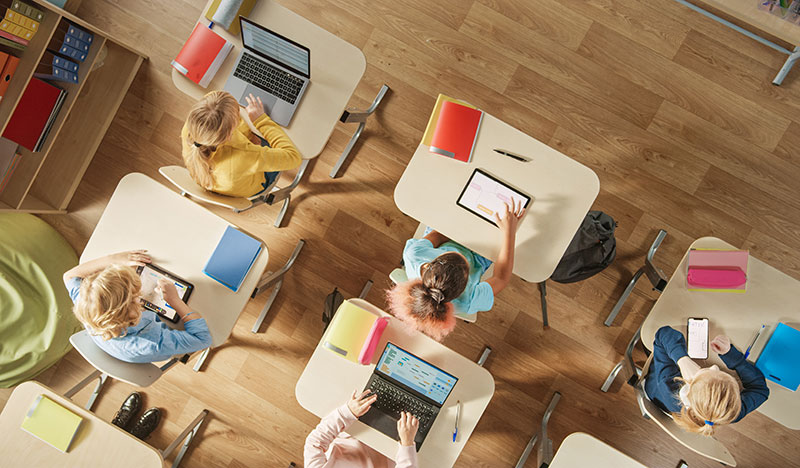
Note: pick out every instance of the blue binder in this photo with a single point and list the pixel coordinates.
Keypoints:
(232, 259)
(779, 361)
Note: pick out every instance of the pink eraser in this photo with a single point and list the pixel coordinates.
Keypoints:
(371, 343)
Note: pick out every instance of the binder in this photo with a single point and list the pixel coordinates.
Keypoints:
(456, 131)
(13, 44)
(7, 73)
(434, 118)
(22, 20)
(34, 111)
(27, 10)
(52, 57)
(16, 30)
(778, 361)
(72, 52)
(202, 55)
(7, 35)
(52, 423)
(232, 258)
(80, 34)
(51, 72)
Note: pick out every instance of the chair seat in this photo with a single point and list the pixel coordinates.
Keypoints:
(141, 375)
(179, 177)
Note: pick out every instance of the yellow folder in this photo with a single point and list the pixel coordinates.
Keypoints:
(437, 108)
(348, 330)
(52, 423)
(244, 10)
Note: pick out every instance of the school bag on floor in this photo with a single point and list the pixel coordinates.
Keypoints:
(332, 303)
(592, 249)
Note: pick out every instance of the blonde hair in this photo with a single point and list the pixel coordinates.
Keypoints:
(714, 399)
(108, 302)
(210, 124)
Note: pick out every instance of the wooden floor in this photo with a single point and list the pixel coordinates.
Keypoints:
(674, 112)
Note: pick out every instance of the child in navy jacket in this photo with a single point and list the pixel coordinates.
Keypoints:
(702, 398)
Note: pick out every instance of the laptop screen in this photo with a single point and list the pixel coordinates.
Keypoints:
(276, 47)
(412, 371)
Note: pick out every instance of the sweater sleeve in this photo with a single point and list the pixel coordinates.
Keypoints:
(755, 390)
(323, 435)
(281, 154)
(406, 457)
(672, 342)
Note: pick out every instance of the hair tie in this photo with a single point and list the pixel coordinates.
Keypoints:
(709, 422)
(436, 294)
(197, 144)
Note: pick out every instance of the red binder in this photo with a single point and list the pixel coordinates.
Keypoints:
(456, 131)
(30, 118)
(202, 55)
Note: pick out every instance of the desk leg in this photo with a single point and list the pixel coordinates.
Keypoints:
(484, 356)
(201, 360)
(543, 293)
(787, 65)
(187, 436)
(545, 453)
(285, 193)
(274, 281)
(361, 118)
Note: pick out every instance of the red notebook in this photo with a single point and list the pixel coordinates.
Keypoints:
(456, 131)
(202, 55)
(30, 117)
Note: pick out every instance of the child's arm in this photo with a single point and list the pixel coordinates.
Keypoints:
(281, 154)
(331, 426)
(505, 261)
(436, 238)
(755, 390)
(132, 258)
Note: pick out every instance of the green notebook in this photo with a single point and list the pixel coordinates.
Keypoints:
(52, 423)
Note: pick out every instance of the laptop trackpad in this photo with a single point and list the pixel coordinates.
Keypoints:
(382, 422)
(267, 99)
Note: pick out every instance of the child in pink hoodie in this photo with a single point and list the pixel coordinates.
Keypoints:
(327, 447)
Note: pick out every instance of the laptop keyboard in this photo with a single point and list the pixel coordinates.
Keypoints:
(392, 400)
(271, 79)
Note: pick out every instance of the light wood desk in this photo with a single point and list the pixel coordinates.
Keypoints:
(580, 449)
(336, 68)
(180, 236)
(771, 297)
(98, 442)
(563, 190)
(328, 381)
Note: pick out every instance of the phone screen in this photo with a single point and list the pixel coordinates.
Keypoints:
(698, 338)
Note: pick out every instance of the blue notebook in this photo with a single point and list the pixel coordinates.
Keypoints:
(779, 361)
(233, 258)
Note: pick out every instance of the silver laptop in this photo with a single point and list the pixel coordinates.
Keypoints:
(271, 67)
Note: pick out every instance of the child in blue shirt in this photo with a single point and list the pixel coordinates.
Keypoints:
(445, 278)
(702, 398)
(106, 295)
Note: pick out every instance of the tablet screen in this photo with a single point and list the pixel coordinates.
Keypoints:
(152, 297)
(484, 195)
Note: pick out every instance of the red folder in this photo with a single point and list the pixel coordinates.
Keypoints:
(202, 55)
(29, 119)
(456, 131)
(8, 71)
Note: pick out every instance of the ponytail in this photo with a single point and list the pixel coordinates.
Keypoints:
(210, 124)
(714, 399)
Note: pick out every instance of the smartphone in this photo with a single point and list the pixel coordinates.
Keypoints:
(698, 338)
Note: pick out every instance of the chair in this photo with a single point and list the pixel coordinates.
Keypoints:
(708, 447)
(140, 375)
(545, 453)
(656, 276)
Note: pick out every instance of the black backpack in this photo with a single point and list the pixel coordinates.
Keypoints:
(592, 249)
(332, 303)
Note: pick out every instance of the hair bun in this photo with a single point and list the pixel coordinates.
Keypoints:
(436, 294)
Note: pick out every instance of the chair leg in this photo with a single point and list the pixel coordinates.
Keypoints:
(352, 117)
(612, 376)
(274, 281)
(543, 293)
(201, 360)
(484, 356)
(527, 452)
(546, 445)
(623, 298)
(97, 389)
(285, 193)
(365, 290)
(187, 436)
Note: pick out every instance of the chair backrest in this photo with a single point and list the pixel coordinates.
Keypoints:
(180, 178)
(706, 446)
(141, 375)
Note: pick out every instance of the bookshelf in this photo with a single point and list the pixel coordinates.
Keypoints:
(44, 181)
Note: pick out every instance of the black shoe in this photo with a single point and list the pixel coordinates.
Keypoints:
(146, 424)
(128, 410)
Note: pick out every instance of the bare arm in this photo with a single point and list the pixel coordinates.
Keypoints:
(436, 238)
(505, 261)
(131, 258)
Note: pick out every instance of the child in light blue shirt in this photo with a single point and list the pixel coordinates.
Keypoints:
(106, 295)
(445, 278)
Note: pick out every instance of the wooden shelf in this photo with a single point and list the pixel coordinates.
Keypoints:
(44, 181)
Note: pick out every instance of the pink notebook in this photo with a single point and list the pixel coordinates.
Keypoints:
(717, 270)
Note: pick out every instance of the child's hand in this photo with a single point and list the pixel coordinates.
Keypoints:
(133, 258)
(359, 404)
(255, 108)
(721, 344)
(169, 291)
(407, 427)
(513, 213)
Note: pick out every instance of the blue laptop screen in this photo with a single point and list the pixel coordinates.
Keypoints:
(410, 370)
(276, 47)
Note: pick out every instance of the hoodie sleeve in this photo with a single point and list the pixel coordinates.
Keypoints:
(323, 435)
(755, 390)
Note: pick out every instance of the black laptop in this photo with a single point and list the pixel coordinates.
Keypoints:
(405, 382)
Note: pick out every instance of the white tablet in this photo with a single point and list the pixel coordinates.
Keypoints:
(484, 195)
(152, 299)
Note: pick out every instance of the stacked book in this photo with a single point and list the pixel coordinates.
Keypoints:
(19, 25)
(75, 42)
(69, 46)
(34, 115)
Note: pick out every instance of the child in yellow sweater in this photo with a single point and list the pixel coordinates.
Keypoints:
(224, 156)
